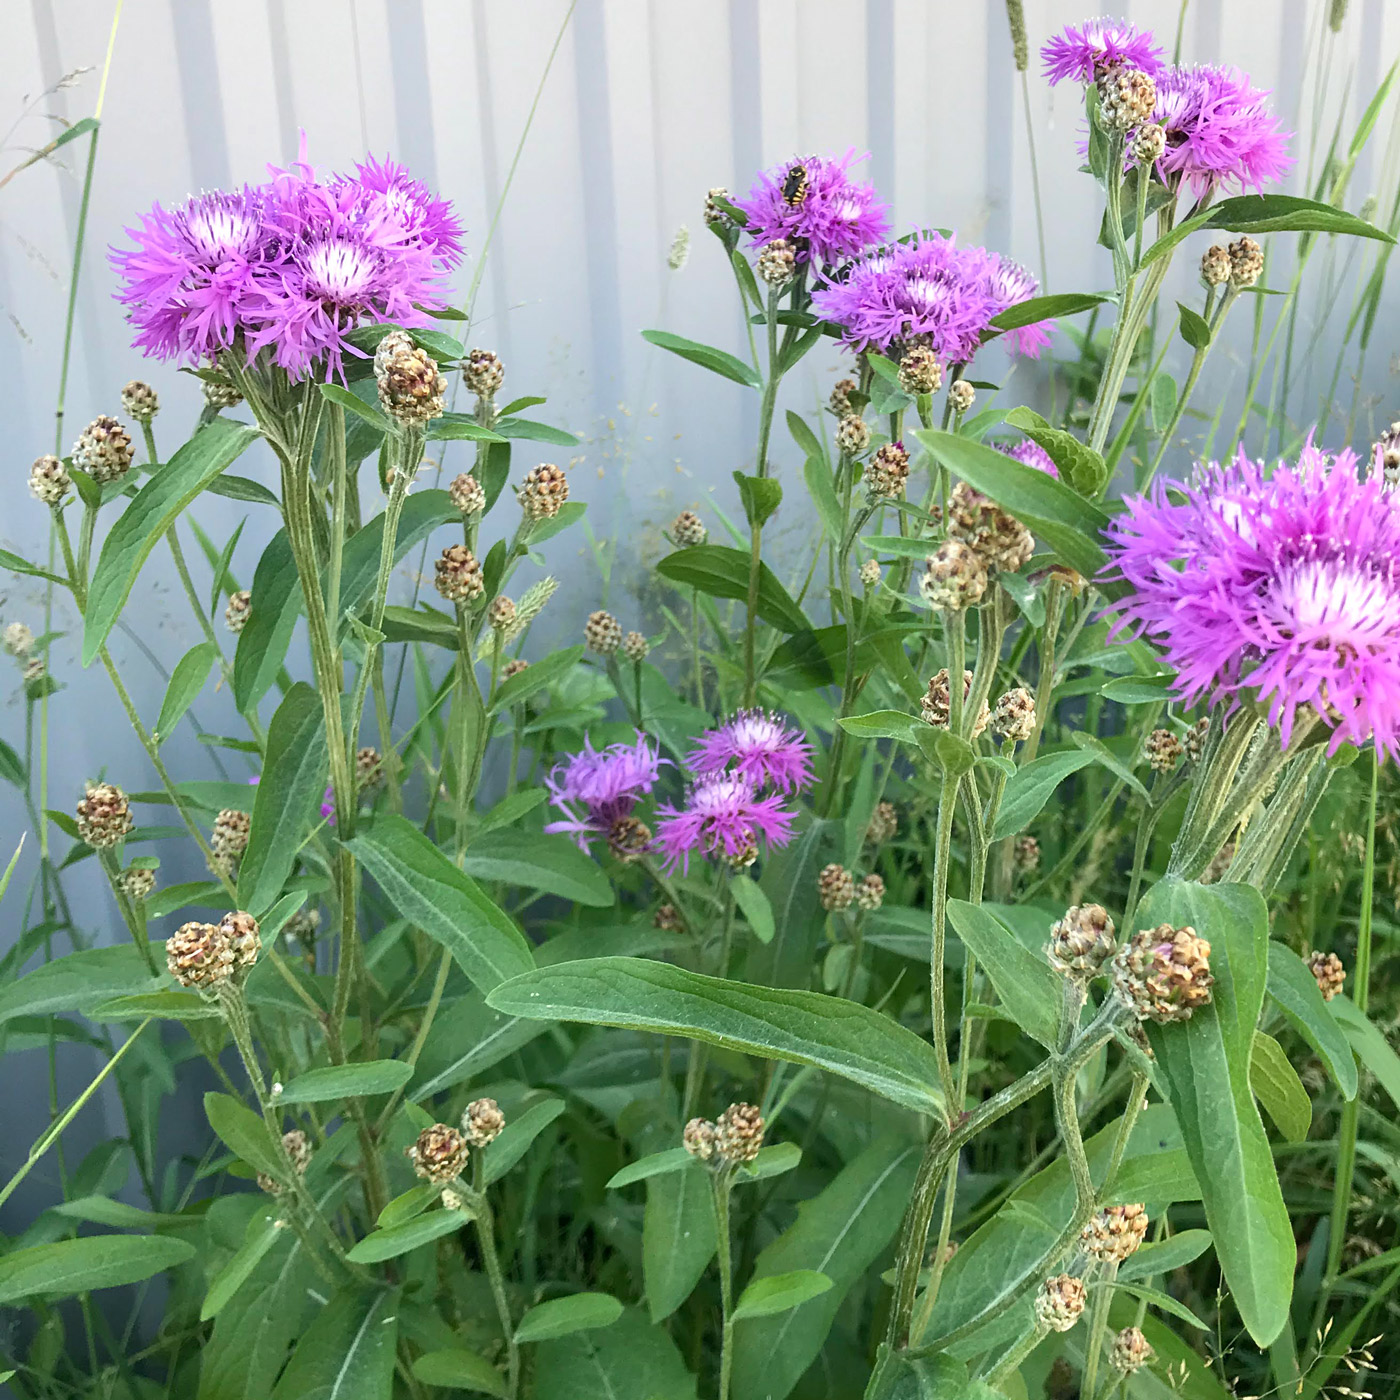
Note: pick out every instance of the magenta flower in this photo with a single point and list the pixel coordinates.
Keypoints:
(927, 289)
(761, 748)
(1032, 454)
(425, 217)
(596, 788)
(1083, 51)
(834, 219)
(1281, 584)
(722, 816)
(1220, 131)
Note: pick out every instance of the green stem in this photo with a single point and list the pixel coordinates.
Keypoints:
(1098, 1324)
(721, 1183)
(943, 852)
(486, 1238)
(1010, 1363)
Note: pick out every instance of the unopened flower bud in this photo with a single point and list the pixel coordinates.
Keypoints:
(483, 373)
(777, 263)
(220, 394)
(411, 391)
(18, 640)
(688, 529)
(458, 575)
(667, 918)
(1126, 98)
(1060, 1303)
(34, 670)
(836, 887)
(870, 893)
(138, 882)
(298, 1149)
(698, 1138)
(629, 838)
(938, 708)
(545, 490)
(1215, 265)
(1196, 739)
(440, 1154)
(1131, 1351)
(49, 480)
(1014, 715)
(635, 648)
(1330, 974)
(482, 1122)
(1001, 541)
(961, 395)
(140, 401)
(920, 371)
(501, 614)
(1162, 750)
(229, 839)
(884, 823)
(369, 767)
(853, 435)
(738, 1133)
(1385, 457)
(1164, 974)
(514, 668)
(200, 956)
(1025, 854)
(602, 633)
(241, 931)
(870, 573)
(1114, 1232)
(714, 216)
(1246, 262)
(1082, 942)
(240, 604)
(103, 816)
(467, 493)
(887, 471)
(954, 577)
(1149, 143)
(840, 400)
(103, 450)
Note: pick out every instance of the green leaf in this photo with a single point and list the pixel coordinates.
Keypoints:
(186, 681)
(447, 904)
(517, 1136)
(1139, 690)
(631, 1360)
(790, 882)
(1365, 1037)
(408, 1205)
(1194, 330)
(581, 1312)
(16, 565)
(839, 1233)
(153, 510)
(1295, 991)
(469, 1037)
(347, 1081)
(1036, 309)
(78, 982)
(348, 1351)
(1078, 463)
(289, 796)
(532, 431)
(1028, 986)
(1028, 792)
(457, 1369)
(568, 514)
(1057, 513)
(718, 361)
(244, 1134)
(754, 906)
(905, 546)
(457, 427)
(761, 496)
(168, 1006)
(809, 443)
(673, 1159)
(884, 724)
(771, 1161)
(842, 1037)
(1163, 401)
(724, 573)
(103, 1210)
(412, 1234)
(361, 408)
(822, 490)
(1106, 758)
(1277, 1087)
(1206, 1061)
(779, 1293)
(535, 678)
(552, 864)
(1164, 1302)
(1162, 1258)
(80, 1266)
(679, 1236)
(241, 488)
(261, 1235)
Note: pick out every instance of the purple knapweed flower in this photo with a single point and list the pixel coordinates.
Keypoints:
(424, 216)
(722, 816)
(1220, 130)
(1008, 284)
(761, 749)
(1083, 51)
(1283, 585)
(814, 203)
(1032, 454)
(596, 788)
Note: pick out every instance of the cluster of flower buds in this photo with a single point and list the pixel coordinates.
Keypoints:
(482, 1122)
(207, 956)
(1114, 1233)
(18, 641)
(920, 371)
(298, 1149)
(138, 882)
(1131, 1351)
(1327, 969)
(1082, 942)
(629, 838)
(221, 393)
(688, 529)
(668, 919)
(883, 824)
(1164, 974)
(734, 1138)
(544, 492)
(870, 573)
(999, 538)
(500, 616)
(838, 889)
(1246, 262)
(1148, 144)
(937, 704)
(1215, 265)
(369, 767)
(840, 401)
(635, 647)
(467, 494)
(103, 450)
(962, 395)
(714, 216)
(483, 373)
(103, 816)
(887, 472)
(954, 578)
(440, 1154)
(777, 263)
(1025, 854)
(458, 576)
(1127, 97)
(1385, 457)
(411, 391)
(229, 840)
(853, 435)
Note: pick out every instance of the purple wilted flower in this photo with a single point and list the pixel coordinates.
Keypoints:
(1220, 130)
(722, 816)
(1083, 51)
(761, 748)
(595, 788)
(186, 280)
(1282, 584)
(1032, 454)
(816, 204)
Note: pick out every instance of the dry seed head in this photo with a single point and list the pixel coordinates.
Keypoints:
(483, 373)
(870, 893)
(467, 493)
(1246, 262)
(138, 882)
(411, 391)
(103, 450)
(303, 925)
(698, 1138)
(887, 471)
(514, 668)
(49, 480)
(777, 263)
(1131, 1351)
(920, 371)
(501, 613)
(458, 576)
(884, 822)
(870, 573)
(629, 838)
(240, 604)
(853, 435)
(545, 490)
(140, 401)
(1330, 974)
(200, 956)
(836, 887)
(220, 394)
(667, 918)
(937, 703)
(954, 578)
(1215, 265)
(1162, 750)
(738, 1133)
(1025, 854)
(1014, 716)
(103, 815)
(241, 930)
(18, 640)
(1082, 942)
(602, 633)
(369, 767)
(688, 529)
(1164, 974)
(229, 838)
(1126, 99)
(961, 395)
(482, 1122)
(1060, 1302)
(840, 400)
(1149, 143)
(440, 1154)
(999, 538)
(1114, 1232)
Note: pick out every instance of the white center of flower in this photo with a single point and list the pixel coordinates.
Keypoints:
(339, 271)
(218, 232)
(1334, 603)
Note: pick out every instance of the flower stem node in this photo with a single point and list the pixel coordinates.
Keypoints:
(920, 371)
(1330, 974)
(836, 888)
(954, 578)
(49, 481)
(440, 1154)
(103, 816)
(1164, 974)
(545, 490)
(1082, 942)
(1013, 718)
(1060, 1303)
(103, 450)
(738, 1133)
(1114, 1233)
(468, 495)
(482, 1122)
(458, 576)
(240, 604)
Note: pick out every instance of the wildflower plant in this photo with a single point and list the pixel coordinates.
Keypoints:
(858, 973)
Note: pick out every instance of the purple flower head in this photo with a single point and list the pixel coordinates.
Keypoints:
(1083, 51)
(1220, 131)
(1008, 283)
(817, 205)
(1283, 585)
(1032, 454)
(762, 749)
(328, 805)
(185, 281)
(595, 788)
(424, 216)
(722, 816)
